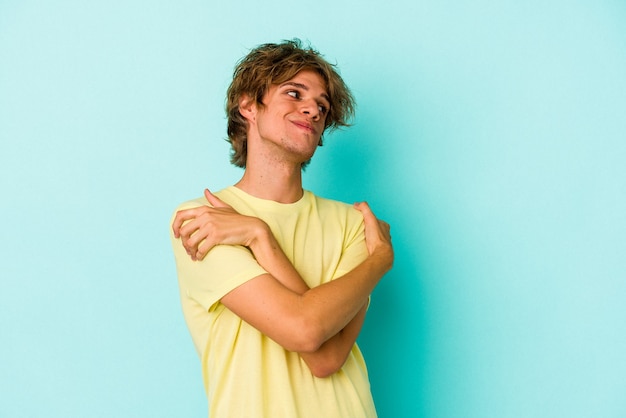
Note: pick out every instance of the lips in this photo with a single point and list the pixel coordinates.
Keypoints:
(305, 125)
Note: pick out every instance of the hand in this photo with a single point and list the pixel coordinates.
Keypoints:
(204, 227)
(377, 233)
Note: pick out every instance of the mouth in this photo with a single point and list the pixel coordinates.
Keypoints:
(306, 126)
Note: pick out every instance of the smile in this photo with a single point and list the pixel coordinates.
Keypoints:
(305, 126)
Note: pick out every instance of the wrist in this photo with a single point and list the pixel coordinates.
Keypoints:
(261, 236)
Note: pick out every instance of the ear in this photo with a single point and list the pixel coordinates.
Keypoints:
(247, 107)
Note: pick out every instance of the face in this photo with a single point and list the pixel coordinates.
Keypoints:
(292, 119)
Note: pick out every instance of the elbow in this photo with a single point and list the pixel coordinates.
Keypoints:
(325, 369)
(307, 336)
(322, 359)
(325, 362)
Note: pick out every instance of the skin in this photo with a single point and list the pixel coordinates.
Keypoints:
(321, 323)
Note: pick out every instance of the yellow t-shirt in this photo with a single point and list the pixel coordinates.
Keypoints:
(246, 374)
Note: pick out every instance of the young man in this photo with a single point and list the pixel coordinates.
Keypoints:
(274, 280)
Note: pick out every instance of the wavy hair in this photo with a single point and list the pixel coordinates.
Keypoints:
(272, 64)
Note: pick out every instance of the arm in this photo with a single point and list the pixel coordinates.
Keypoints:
(201, 228)
(304, 322)
(332, 354)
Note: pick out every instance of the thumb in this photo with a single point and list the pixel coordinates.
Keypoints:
(214, 200)
(364, 208)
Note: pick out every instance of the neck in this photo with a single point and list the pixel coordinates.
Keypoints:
(278, 182)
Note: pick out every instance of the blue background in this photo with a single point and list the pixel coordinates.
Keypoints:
(491, 135)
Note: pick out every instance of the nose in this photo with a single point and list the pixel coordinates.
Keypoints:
(311, 109)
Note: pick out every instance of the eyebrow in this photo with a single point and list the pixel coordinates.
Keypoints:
(303, 87)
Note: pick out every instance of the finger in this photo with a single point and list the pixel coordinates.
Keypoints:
(178, 222)
(185, 231)
(191, 241)
(368, 215)
(192, 250)
(203, 250)
(183, 216)
(362, 206)
(214, 200)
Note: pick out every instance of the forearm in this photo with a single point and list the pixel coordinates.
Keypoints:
(333, 305)
(332, 355)
(280, 304)
(271, 257)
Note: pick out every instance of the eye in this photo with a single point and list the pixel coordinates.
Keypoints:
(323, 109)
(294, 93)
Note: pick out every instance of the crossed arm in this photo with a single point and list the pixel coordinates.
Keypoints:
(322, 323)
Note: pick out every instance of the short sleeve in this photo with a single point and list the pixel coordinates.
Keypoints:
(354, 250)
(223, 269)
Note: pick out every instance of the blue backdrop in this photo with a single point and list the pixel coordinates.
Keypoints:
(491, 135)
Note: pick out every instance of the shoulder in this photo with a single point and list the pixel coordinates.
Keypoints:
(193, 203)
(225, 194)
(334, 205)
(343, 212)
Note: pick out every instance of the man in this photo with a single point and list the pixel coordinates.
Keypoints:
(274, 280)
